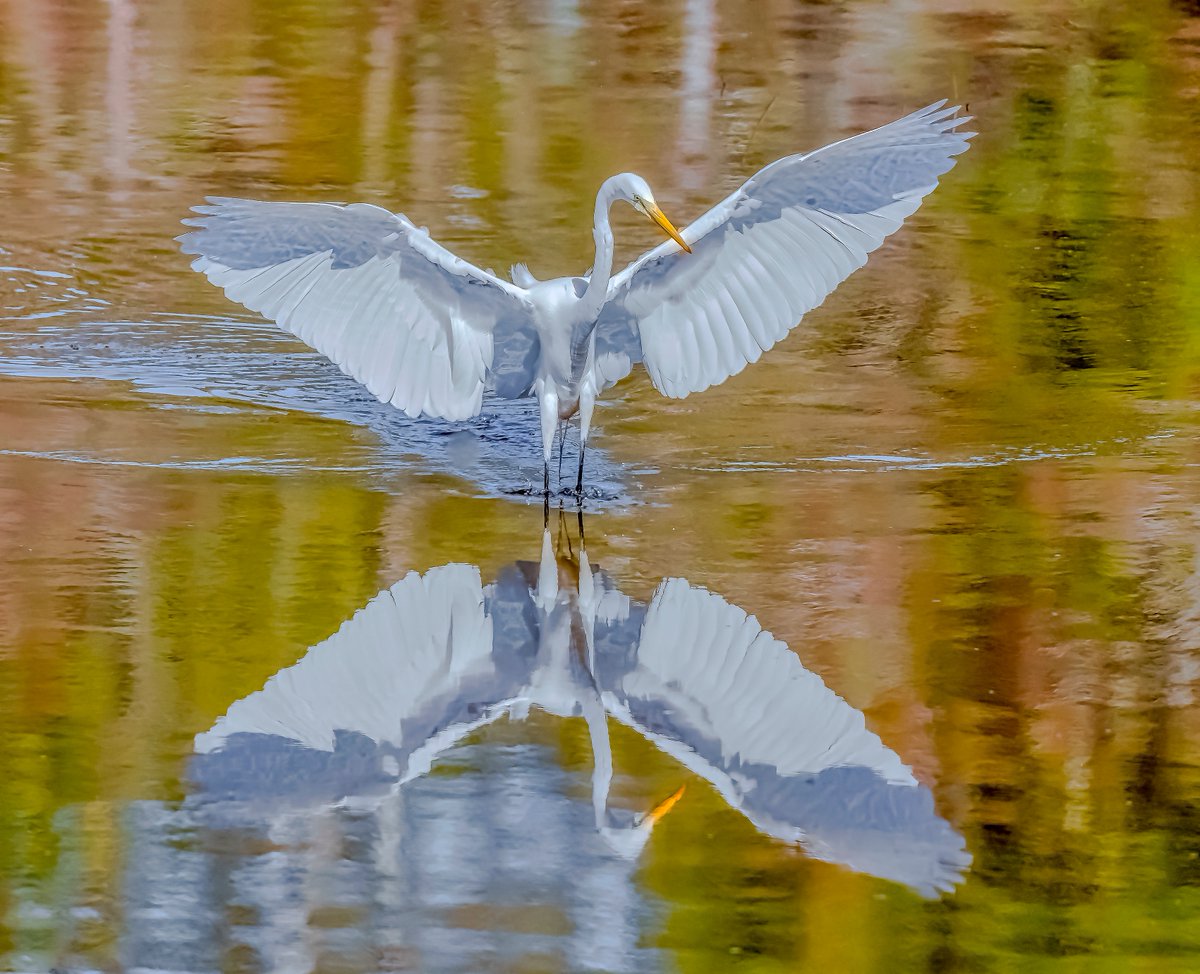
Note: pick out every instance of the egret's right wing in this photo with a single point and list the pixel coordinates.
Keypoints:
(769, 253)
(737, 707)
(399, 683)
(418, 326)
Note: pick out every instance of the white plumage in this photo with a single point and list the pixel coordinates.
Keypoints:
(437, 656)
(430, 332)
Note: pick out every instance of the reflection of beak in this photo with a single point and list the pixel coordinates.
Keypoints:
(660, 218)
(653, 816)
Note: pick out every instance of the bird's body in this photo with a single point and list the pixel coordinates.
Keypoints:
(429, 332)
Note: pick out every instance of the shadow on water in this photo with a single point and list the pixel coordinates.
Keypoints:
(250, 361)
(365, 768)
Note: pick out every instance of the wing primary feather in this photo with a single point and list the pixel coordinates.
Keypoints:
(324, 328)
(691, 358)
(274, 291)
(380, 377)
(365, 288)
(779, 306)
(846, 239)
(417, 377)
(346, 335)
(748, 307)
(728, 360)
(399, 396)
(821, 257)
(706, 341)
(800, 299)
(298, 292)
(734, 338)
(757, 312)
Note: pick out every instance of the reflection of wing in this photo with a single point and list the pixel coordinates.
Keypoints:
(411, 673)
(769, 253)
(735, 705)
(418, 326)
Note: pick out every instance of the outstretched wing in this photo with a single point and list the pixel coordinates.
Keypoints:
(418, 326)
(401, 681)
(738, 708)
(769, 253)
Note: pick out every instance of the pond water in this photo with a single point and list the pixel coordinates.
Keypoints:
(909, 610)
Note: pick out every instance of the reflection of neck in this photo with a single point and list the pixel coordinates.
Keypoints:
(597, 721)
(582, 614)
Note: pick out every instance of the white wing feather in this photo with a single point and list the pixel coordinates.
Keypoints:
(732, 703)
(388, 305)
(769, 253)
(729, 685)
(394, 672)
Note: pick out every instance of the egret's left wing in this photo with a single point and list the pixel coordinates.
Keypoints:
(419, 327)
(769, 253)
(400, 682)
(737, 707)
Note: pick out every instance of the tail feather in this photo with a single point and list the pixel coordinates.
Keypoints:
(519, 273)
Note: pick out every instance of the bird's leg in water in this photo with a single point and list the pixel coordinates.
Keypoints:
(548, 408)
(579, 514)
(587, 402)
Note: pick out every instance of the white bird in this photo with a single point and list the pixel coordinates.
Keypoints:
(429, 332)
(439, 655)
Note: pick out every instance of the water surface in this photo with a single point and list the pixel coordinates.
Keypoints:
(962, 494)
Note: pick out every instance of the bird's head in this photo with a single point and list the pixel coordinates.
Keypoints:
(636, 192)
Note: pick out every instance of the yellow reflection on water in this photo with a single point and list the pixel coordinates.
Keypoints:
(963, 492)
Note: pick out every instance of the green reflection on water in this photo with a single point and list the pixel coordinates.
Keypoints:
(1021, 625)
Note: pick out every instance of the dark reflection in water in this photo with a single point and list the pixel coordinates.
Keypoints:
(226, 363)
(357, 782)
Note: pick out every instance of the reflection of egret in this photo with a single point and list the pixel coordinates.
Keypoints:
(429, 332)
(436, 656)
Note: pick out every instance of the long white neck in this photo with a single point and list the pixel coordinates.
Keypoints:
(597, 289)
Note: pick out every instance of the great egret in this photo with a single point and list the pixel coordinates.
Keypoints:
(440, 655)
(429, 332)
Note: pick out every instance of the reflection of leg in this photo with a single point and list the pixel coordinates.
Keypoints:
(579, 514)
(558, 532)
(563, 534)
(587, 402)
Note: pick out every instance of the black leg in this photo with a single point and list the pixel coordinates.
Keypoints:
(579, 514)
(562, 441)
(546, 480)
(579, 479)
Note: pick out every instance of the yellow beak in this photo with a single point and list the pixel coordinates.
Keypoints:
(664, 806)
(660, 218)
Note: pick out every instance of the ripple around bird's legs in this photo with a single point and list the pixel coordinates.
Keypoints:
(209, 363)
